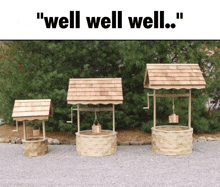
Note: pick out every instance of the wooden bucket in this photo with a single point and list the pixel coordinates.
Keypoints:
(174, 118)
(36, 132)
(96, 128)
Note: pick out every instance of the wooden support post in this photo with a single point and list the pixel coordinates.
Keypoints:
(78, 118)
(154, 108)
(24, 129)
(189, 118)
(44, 130)
(16, 125)
(113, 106)
(16, 130)
(71, 110)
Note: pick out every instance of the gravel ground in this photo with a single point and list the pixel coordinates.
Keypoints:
(130, 166)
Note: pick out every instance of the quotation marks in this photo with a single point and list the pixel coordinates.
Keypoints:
(40, 15)
(179, 15)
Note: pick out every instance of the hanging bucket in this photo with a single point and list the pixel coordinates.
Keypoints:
(173, 118)
(36, 132)
(96, 128)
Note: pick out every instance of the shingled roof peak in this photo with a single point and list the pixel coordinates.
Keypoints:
(95, 91)
(32, 109)
(173, 76)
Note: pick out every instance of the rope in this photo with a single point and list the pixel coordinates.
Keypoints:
(96, 119)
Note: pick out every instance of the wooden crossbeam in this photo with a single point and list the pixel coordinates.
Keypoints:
(173, 95)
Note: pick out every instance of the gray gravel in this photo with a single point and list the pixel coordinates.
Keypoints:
(130, 166)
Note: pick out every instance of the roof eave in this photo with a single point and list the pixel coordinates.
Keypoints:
(30, 118)
(94, 102)
(176, 87)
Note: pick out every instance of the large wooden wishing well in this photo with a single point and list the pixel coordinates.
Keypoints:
(173, 139)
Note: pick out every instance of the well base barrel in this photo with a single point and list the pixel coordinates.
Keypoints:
(172, 140)
(90, 144)
(35, 147)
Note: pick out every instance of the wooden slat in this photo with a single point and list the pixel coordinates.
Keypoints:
(95, 85)
(95, 102)
(167, 87)
(26, 114)
(26, 104)
(172, 95)
(198, 82)
(94, 81)
(113, 118)
(175, 78)
(170, 76)
(36, 108)
(31, 109)
(95, 89)
(158, 87)
(89, 79)
(89, 98)
(44, 130)
(34, 118)
(177, 83)
(94, 93)
(172, 66)
(189, 114)
(24, 129)
(182, 74)
(173, 71)
(33, 100)
(78, 118)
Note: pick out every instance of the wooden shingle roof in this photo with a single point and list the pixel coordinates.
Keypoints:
(95, 91)
(177, 76)
(37, 109)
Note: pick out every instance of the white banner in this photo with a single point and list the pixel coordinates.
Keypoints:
(109, 20)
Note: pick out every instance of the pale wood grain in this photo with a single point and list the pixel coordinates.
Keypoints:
(171, 76)
(33, 109)
(87, 90)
